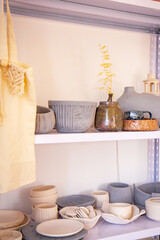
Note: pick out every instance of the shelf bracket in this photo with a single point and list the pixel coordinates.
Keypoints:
(153, 144)
(153, 160)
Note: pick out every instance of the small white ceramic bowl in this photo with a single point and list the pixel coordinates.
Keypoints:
(152, 206)
(10, 234)
(88, 222)
(47, 199)
(43, 190)
(46, 211)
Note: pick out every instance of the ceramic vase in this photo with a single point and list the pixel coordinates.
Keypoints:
(109, 116)
(131, 100)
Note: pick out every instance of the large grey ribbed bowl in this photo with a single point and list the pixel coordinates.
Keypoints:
(73, 116)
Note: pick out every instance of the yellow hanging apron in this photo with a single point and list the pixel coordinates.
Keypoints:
(17, 113)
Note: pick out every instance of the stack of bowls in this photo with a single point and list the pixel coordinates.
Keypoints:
(42, 194)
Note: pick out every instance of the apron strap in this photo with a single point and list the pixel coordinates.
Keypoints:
(3, 38)
(12, 48)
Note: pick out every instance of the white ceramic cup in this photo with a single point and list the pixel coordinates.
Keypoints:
(100, 196)
(123, 210)
(152, 206)
(45, 211)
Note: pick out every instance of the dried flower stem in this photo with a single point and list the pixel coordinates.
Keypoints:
(105, 74)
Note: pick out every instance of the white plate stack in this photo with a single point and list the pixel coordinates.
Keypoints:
(12, 219)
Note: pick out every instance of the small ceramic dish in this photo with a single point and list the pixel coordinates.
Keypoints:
(47, 199)
(88, 222)
(136, 213)
(43, 190)
(10, 234)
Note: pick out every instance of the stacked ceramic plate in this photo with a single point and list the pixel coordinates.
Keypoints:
(12, 219)
(79, 200)
(55, 230)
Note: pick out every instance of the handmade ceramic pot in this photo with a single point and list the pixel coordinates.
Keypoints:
(131, 100)
(100, 196)
(146, 191)
(123, 210)
(120, 192)
(109, 116)
(45, 120)
(152, 206)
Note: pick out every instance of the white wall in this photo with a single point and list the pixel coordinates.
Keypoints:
(66, 61)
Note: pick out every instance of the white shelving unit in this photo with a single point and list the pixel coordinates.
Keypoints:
(134, 15)
(93, 136)
(142, 227)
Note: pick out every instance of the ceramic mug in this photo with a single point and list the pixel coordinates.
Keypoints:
(123, 210)
(136, 115)
(152, 206)
(100, 196)
(45, 211)
(120, 192)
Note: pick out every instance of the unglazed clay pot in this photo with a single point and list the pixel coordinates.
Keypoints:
(120, 192)
(109, 116)
(131, 100)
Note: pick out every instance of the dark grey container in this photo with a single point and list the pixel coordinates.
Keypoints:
(120, 192)
(145, 191)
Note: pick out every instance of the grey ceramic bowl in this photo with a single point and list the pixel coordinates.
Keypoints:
(45, 120)
(145, 191)
(120, 192)
(73, 116)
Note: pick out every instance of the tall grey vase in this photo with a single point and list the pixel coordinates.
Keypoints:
(131, 100)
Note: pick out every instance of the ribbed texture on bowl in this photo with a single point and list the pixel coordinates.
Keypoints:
(44, 212)
(72, 116)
